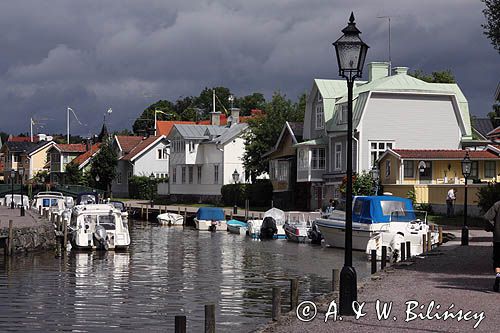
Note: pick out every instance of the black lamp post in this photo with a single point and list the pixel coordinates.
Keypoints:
(152, 179)
(466, 171)
(351, 53)
(236, 177)
(12, 176)
(374, 172)
(21, 174)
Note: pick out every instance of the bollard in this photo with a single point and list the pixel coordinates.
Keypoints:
(11, 238)
(429, 241)
(142, 211)
(408, 250)
(40, 210)
(424, 244)
(294, 293)
(65, 234)
(335, 279)
(147, 213)
(403, 252)
(185, 216)
(246, 209)
(210, 318)
(440, 229)
(383, 263)
(179, 210)
(374, 261)
(276, 313)
(180, 324)
(260, 216)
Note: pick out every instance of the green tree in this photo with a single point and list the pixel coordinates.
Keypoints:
(124, 132)
(145, 121)
(205, 100)
(250, 102)
(492, 26)
(73, 174)
(264, 132)
(362, 184)
(104, 166)
(445, 76)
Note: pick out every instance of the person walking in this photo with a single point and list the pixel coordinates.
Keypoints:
(450, 201)
(492, 217)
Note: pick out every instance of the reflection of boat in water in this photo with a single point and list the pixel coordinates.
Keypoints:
(237, 227)
(98, 226)
(211, 219)
(170, 219)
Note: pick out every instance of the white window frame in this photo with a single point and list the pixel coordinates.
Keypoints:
(377, 150)
(216, 173)
(406, 168)
(119, 178)
(303, 159)
(494, 169)
(342, 113)
(387, 168)
(320, 116)
(338, 156)
(283, 170)
(161, 154)
(316, 160)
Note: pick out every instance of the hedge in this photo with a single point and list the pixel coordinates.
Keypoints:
(259, 193)
(141, 187)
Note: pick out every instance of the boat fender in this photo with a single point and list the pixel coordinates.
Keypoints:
(395, 245)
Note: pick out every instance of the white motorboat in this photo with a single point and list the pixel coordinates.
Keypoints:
(254, 228)
(170, 219)
(210, 219)
(121, 207)
(17, 199)
(51, 200)
(98, 226)
(237, 227)
(272, 224)
(370, 215)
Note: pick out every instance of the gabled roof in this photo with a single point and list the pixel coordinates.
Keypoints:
(142, 147)
(164, 127)
(494, 133)
(84, 158)
(195, 131)
(294, 129)
(21, 146)
(128, 142)
(40, 145)
(482, 126)
(71, 147)
(229, 133)
(440, 154)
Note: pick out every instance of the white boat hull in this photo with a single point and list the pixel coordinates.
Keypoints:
(295, 233)
(204, 225)
(238, 230)
(170, 219)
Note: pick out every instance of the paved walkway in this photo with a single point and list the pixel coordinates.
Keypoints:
(453, 275)
(30, 219)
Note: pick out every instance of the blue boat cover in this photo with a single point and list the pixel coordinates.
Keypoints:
(236, 223)
(382, 209)
(210, 214)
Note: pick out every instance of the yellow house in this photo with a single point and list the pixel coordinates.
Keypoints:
(31, 157)
(431, 173)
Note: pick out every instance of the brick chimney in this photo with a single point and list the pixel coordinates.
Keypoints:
(215, 118)
(377, 70)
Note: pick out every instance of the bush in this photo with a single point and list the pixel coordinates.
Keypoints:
(488, 195)
(259, 193)
(234, 193)
(412, 196)
(141, 187)
(427, 207)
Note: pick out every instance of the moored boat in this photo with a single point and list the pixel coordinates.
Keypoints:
(237, 227)
(272, 224)
(170, 219)
(210, 219)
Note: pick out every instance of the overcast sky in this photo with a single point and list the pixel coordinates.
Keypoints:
(126, 54)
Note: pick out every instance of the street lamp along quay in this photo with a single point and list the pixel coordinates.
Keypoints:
(236, 177)
(152, 179)
(466, 171)
(12, 176)
(351, 54)
(21, 175)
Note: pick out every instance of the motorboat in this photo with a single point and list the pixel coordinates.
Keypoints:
(120, 205)
(370, 215)
(237, 227)
(17, 199)
(254, 228)
(298, 224)
(87, 198)
(210, 219)
(98, 226)
(408, 226)
(170, 219)
(272, 224)
(54, 201)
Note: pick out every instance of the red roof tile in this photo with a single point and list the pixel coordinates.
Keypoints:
(22, 139)
(164, 127)
(89, 153)
(140, 147)
(127, 143)
(443, 154)
(494, 133)
(72, 148)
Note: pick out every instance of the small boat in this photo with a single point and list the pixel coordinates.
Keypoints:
(296, 227)
(98, 226)
(237, 227)
(87, 198)
(254, 228)
(210, 219)
(17, 199)
(51, 200)
(272, 224)
(170, 219)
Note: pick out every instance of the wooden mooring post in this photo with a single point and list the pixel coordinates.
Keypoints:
(335, 279)
(408, 250)
(276, 310)
(374, 261)
(429, 241)
(440, 230)
(424, 244)
(142, 211)
(403, 252)
(383, 262)
(180, 324)
(210, 318)
(185, 216)
(294, 293)
(147, 213)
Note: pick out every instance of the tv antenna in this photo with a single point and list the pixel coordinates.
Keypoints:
(389, 22)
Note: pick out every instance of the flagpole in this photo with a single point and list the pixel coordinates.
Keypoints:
(155, 122)
(67, 122)
(31, 128)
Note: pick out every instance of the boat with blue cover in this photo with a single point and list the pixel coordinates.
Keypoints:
(237, 227)
(210, 219)
(371, 215)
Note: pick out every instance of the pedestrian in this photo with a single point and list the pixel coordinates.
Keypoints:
(492, 217)
(450, 201)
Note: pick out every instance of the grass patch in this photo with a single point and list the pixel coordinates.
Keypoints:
(456, 221)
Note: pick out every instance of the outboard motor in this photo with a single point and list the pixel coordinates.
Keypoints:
(100, 238)
(213, 226)
(268, 228)
(314, 234)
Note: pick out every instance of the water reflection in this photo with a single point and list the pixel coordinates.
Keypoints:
(166, 272)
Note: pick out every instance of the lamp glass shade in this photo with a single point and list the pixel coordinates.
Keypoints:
(375, 174)
(236, 176)
(97, 178)
(12, 173)
(21, 171)
(152, 176)
(466, 165)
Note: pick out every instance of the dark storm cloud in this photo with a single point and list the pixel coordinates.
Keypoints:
(92, 55)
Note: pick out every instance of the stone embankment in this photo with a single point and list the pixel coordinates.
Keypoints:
(29, 233)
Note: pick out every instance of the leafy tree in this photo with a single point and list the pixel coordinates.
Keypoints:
(124, 132)
(205, 100)
(145, 121)
(44, 174)
(189, 114)
(73, 174)
(492, 26)
(104, 165)
(362, 184)
(250, 102)
(488, 196)
(264, 132)
(445, 76)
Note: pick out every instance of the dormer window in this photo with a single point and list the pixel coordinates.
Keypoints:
(342, 114)
(320, 116)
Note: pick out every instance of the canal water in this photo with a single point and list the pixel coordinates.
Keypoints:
(166, 272)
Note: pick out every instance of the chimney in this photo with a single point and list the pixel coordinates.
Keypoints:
(400, 70)
(377, 70)
(215, 118)
(235, 114)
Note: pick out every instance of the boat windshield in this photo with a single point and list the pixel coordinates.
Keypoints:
(409, 216)
(391, 207)
(87, 199)
(107, 221)
(296, 218)
(47, 202)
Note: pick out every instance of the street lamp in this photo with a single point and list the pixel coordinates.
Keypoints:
(236, 177)
(466, 171)
(374, 172)
(351, 54)
(21, 174)
(152, 179)
(12, 175)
